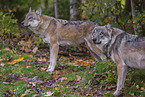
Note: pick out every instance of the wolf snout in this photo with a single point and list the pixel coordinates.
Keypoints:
(95, 41)
(22, 23)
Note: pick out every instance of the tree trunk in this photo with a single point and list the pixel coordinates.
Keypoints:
(133, 15)
(46, 4)
(127, 7)
(56, 8)
(143, 4)
(74, 11)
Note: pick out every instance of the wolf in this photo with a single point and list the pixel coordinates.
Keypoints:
(123, 48)
(57, 32)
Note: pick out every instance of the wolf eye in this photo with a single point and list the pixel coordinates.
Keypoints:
(101, 36)
(30, 18)
(101, 33)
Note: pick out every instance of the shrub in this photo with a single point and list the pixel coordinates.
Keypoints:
(8, 25)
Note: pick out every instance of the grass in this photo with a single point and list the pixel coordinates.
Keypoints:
(27, 77)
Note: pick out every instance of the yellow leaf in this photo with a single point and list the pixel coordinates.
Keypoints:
(62, 57)
(56, 88)
(112, 8)
(134, 21)
(20, 59)
(144, 15)
(15, 61)
(76, 62)
(22, 78)
(137, 86)
(107, 92)
(1, 14)
(28, 42)
(15, 90)
(10, 10)
(96, 9)
(132, 94)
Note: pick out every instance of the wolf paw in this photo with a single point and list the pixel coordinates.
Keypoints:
(49, 70)
(116, 93)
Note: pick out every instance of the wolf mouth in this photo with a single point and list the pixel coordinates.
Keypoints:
(96, 42)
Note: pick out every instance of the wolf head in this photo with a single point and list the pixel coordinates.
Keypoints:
(32, 19)
(102, 34)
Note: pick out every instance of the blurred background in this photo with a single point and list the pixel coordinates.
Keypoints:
(128, 15)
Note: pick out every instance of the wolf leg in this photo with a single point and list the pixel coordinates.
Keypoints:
(95, 51)
(122, 71)
(53, 57)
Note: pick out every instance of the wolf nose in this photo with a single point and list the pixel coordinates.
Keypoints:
(94, 39)
(22, 23)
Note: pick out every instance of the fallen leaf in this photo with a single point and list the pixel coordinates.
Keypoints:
(1, 74)
(35, 95)
(62, 79)
(6, 82)
(33, 83)
(35, 50)
(2, 64)
(21, 42)
(26, 93)
(27, 50)
(78, 78)
(55, 76)
(137, 86)
(6, 49)
(142, 88)
(16, 60)
(56, 88)
(42, 59)
(49, 93)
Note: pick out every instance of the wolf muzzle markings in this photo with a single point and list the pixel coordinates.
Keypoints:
(123, 48)
(57, 32)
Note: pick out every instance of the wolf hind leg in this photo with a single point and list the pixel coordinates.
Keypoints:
(122, 72)
(95, 51)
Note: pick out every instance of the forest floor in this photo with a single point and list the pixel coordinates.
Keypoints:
(77, 74)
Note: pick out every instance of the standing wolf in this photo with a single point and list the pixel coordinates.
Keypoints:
(123, 48)
(57, 32)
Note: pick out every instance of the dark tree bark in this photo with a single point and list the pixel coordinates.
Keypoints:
(127, 7)
(46, 4)
(56, 8)
(74, 11)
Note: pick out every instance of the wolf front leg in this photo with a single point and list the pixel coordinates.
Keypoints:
(53, 56)
(95, 51)
(122, 71)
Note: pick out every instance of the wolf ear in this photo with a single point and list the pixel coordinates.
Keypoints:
(30, 9)
(38, 12)
(108, 26)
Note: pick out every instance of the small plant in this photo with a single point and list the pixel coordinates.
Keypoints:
(7, 24)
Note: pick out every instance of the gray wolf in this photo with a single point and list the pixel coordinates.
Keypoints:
(57, 32)
(123, 48)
